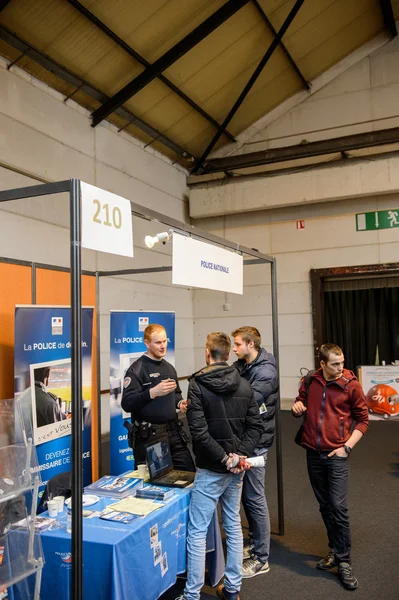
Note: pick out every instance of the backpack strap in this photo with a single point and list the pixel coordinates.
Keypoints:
(308, 381)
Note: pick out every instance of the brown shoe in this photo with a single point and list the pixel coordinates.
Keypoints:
(225, 595)
(328, 562)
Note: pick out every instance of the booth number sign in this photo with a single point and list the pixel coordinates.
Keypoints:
(106, 221)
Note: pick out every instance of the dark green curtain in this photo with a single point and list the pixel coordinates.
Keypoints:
(359, 320)
(388, 332)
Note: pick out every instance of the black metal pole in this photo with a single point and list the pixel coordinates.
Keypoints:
(33, 283)
(279, 445)
(98, 346)
(76, 388)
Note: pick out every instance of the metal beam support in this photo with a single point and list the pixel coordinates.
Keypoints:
(293, 64)
(279, 443)
(251, 82)
(98, 373)
(146, 270)
(170, 57)
(35, 190)
(389, 19)
(66, 75)
(140, 59)
(76, 389)
(330, 146)
(147, 213)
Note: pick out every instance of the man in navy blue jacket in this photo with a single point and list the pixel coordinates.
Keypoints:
(258, 367)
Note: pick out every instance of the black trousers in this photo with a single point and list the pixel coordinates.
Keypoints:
(329, 479)
(181, 455)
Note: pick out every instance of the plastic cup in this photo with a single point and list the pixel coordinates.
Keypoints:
(142, 469)
(60, 500)
(69, 520)
(52, 507)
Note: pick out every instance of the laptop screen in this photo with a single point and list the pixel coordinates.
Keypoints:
(159, 459)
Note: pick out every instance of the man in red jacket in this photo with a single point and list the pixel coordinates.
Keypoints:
(335, 419)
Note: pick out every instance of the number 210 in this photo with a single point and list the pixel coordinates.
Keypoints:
(116, 215)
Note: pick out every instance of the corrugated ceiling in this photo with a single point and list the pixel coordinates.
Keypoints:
(212, 74)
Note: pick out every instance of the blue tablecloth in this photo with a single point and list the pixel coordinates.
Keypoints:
(119, 560)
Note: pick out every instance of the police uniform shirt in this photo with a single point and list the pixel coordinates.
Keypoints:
(140, 377)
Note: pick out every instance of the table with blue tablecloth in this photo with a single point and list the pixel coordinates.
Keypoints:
(122, 561)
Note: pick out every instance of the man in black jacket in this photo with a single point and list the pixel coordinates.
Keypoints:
(225, 426)
(258, 367)
(152, 395)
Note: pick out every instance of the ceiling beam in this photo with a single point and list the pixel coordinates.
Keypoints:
(293, 64)
(140, 59)
(252, 80)
(389, 19)
(81, 85)
(330, 146)
(166, 60)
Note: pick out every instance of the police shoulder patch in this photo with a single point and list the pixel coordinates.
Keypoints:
(126, 382)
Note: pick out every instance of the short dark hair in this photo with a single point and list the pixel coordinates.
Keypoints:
(42, 373)
(326, 349)
(248, 334)
(219, 345)
(150, 329)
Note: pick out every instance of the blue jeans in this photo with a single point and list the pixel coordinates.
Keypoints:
(209, 488)
(256, 509)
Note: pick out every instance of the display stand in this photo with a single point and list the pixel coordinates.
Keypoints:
(22, 554)
(72, 188)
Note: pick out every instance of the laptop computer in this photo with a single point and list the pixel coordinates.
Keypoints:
(160, 466)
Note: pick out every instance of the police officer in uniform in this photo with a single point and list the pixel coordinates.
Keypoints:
(152, 395)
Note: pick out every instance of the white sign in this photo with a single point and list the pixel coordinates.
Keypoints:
(197, 264)
(106, 221)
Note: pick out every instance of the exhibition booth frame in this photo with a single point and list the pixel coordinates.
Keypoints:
(72, 187)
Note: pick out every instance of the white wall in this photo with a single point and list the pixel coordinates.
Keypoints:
(328, 240)
(364, 98)
(42, 138)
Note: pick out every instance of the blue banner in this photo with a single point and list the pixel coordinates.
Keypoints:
(127, 345)
(42, 371)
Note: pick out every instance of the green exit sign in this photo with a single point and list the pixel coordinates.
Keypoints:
(380, 219)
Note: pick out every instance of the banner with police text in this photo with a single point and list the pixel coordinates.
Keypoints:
(127, 344)
(42, 381)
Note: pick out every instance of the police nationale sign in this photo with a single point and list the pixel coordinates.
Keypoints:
(197, 264)
(106, 221)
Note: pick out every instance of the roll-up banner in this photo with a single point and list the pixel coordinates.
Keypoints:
(42, 381)
(127, 345)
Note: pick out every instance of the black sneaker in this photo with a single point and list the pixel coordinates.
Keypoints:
(328, 562)
(347, 577)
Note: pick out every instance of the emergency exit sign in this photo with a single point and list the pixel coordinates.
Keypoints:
(380, 219)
